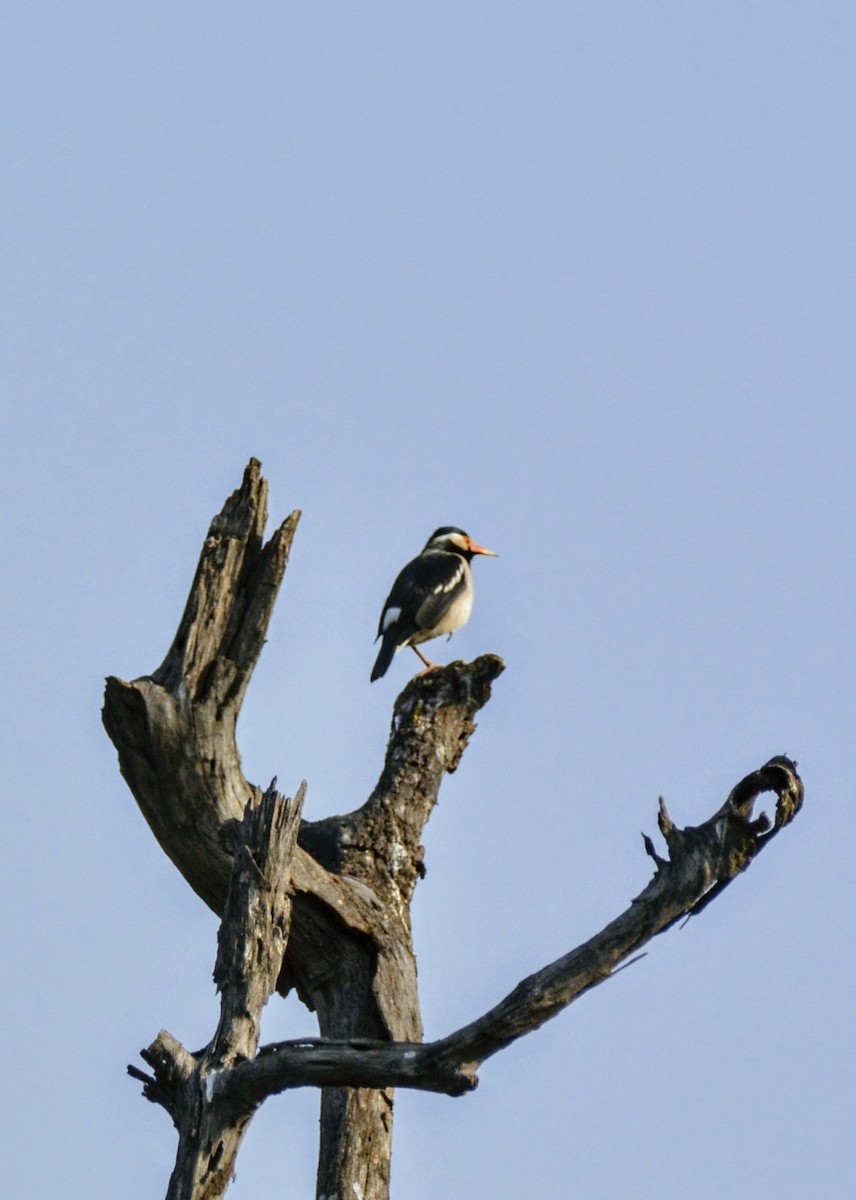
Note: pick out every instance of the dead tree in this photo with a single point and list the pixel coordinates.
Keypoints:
(323, 907)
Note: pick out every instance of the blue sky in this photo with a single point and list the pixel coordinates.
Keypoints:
(577, 278)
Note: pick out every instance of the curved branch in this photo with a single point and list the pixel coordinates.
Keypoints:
(702, 861)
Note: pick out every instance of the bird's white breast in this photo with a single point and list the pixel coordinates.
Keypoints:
(458, 612)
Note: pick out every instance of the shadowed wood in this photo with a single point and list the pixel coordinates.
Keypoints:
(703, 860)
(324, 906)
(210, 1121)
(350, 955)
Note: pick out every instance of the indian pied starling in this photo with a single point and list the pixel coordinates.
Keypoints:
(433, 595)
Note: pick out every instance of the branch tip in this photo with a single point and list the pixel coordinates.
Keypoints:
(651, 852)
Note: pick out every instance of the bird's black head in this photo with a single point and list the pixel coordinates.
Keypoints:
(455, 541)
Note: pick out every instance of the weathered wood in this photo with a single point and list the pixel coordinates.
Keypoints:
(210, 1118)
(256, 922)
(343, 884)
(350, 955)
(175, 729)
(703, 860)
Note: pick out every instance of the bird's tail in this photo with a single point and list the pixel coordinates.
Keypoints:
(384, 658)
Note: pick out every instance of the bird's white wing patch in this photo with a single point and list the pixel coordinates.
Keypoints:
(390, 617)
(452, 583)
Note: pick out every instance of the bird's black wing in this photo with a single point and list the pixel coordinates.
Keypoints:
(448, 578)
(420, 594)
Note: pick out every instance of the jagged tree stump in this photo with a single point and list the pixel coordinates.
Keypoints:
(326, 910)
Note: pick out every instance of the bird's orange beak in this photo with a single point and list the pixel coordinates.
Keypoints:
(475, 548)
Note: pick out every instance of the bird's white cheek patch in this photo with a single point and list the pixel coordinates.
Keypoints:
(390, 617)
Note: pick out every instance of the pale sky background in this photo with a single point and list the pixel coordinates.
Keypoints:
(578, 278)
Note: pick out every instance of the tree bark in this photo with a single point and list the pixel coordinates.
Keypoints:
(213, 1095)
(350, 954)
(324, 906)
(703, 861)
(211, 1120)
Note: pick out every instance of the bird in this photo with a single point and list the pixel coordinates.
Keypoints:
(432, 595)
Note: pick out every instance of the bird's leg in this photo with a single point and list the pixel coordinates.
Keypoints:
(429, 665)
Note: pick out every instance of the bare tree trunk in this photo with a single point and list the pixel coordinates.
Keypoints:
(324, 906)
(350, 954)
